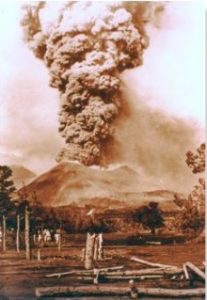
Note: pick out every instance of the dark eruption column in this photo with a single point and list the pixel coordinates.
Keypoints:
(85, 50)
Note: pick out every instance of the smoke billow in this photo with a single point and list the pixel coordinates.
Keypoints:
(86, 48)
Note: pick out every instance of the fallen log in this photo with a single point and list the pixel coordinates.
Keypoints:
(103, 278)
(144, 262)
(128, 277)
(116, 271)
(174, 293)
(196, 270)
(157, 271)
(84, 272)
(121, 291)
(60, 274)
(81, 291)
(110, 269)
(96, 278)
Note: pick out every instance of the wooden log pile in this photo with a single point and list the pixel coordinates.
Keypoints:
(188, 271)
(167, 275)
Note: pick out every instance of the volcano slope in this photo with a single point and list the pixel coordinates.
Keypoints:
(73, 183)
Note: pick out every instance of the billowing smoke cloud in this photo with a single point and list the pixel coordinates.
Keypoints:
(155, 143)
(86, 48)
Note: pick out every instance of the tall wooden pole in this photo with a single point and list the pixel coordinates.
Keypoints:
(18, 233)
(95, 252)
(89, 253)
(60, 240)
(3, 233)
(100, 246)
(27, 233)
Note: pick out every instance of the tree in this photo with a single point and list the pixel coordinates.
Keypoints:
(19, 205)
(26, 208)
(192, 215)
(27, 232)
(6, 190)
(6, 183)
(192, 220)
(149, 216)
(196, 161)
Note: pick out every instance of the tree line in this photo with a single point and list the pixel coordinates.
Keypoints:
(30, 217)
(191, 219)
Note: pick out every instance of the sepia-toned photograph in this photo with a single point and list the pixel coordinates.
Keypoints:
(102, 150)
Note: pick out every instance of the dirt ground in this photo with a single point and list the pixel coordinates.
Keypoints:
(19, 278)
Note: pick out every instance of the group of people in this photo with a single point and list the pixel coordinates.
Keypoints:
(46, 236)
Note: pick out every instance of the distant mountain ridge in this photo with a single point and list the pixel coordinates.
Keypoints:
(21, 175)
(71, 183)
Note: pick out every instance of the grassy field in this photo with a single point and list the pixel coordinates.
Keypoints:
(18, 278)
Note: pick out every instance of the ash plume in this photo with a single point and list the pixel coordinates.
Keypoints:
(86, 47)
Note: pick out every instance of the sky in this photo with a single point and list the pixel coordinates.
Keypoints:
(171, 80)
(28, 111)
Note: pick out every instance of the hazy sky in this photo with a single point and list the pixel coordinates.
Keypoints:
(171, 80)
